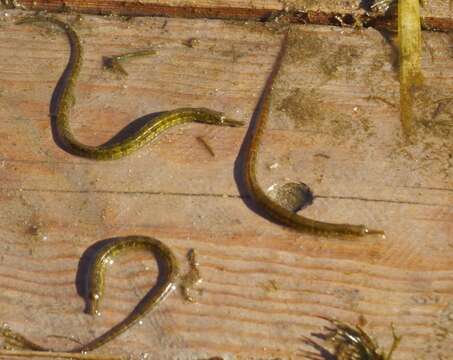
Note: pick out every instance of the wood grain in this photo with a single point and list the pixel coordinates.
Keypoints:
(334, 125)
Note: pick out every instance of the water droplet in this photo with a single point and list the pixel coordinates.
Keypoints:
(272, 188)
(273, 166)
(292, 196)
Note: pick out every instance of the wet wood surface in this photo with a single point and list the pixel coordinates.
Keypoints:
(334, 124)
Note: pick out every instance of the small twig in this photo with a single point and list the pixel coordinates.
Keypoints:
(205, 144)
(380, 98)
(51, 354)
(114, 62)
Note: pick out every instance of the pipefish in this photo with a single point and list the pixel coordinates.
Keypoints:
(168, 278)
(138, 138)
(272, 209)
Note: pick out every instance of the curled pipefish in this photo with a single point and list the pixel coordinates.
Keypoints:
(133, 142)
(250, 149)
(169, 276)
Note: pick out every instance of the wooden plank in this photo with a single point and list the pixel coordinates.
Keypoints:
(334, 125)
(437, 14)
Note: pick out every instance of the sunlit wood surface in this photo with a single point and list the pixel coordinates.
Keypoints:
(334, 124)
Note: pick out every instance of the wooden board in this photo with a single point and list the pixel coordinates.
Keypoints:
(334, 125)
(436, 14)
